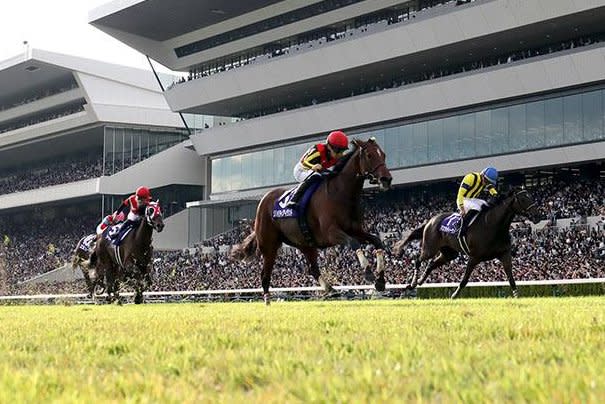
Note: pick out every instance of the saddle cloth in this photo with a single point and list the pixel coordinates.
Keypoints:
(282, 211)
(451, 224)
(88, 243)
(117, 233)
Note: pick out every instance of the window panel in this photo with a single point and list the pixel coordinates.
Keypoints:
(553, 122)
(451, 141)
(499, 118)
(467, 135)
(435, 141)
(572, 118)
(592, 115)
(483, 133)
(535, 125)
(518, 128)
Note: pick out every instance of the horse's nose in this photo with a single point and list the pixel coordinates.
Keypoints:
(385, 182)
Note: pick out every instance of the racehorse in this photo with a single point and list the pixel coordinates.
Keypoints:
(94, 280)
(334, 216)
(131, 260)
(488, 238)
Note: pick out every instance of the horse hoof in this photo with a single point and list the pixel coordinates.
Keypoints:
(380, 285)
(369, 275)
(267, 299)
(331, 295)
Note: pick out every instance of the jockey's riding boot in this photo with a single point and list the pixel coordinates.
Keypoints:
(91, 261)
(466, 219)
(300, 191)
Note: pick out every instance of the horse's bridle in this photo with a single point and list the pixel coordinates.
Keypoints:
(371, 174)
(149, 218)
(525, 209)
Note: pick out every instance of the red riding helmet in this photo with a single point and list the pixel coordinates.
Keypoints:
(338, 140)
(143, 193)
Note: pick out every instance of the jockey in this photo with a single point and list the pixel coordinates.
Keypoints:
(471, 186)
(318, 158)
(133, 206)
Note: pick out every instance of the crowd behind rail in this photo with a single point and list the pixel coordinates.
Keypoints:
(554, 252)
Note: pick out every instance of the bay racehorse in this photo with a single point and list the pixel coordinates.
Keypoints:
(131, 260)
(334, 216)
(488, 238)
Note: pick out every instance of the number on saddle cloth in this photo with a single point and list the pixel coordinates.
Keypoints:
(451, 224)
(281, 210)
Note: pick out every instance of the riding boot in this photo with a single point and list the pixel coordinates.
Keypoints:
(300, 191)
(91, 261)
(466, 219)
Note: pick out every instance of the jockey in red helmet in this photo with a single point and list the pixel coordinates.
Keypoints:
(131, 209)
(319, 158)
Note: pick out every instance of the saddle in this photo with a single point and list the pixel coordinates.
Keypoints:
(281, 210)
(117, 233)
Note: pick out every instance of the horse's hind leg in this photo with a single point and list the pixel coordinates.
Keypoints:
(311, 255)
(444, 257)
(507, 263)
(472, 263)
(268, 263)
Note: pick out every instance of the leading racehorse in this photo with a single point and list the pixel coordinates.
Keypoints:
(334, 216)
(131, 260)
(488, 238)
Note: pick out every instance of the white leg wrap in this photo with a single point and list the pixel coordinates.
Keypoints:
(379, 261)
(363, 261)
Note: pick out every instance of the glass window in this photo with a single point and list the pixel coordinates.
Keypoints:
(467, 135)
(420, 142)
(435, 141)
(592, 114)
(392, 146)
(483, 133)
(451, 141)
(407, 141)
(553, 122)
(518, 128)
(535, 125)
(499, 120)
(572, 118)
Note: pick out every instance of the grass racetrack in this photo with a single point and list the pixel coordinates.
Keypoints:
(476, 350)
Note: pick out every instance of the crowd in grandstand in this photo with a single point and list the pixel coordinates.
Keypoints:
(405, 78)
(363, 26)
(51, 173)
(47, 92)
(42, 118)
(550, 253)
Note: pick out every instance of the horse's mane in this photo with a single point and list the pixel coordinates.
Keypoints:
(500, 198)
(345, 159)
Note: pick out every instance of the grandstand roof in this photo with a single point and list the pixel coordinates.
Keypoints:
(161, 20)
(32, 70)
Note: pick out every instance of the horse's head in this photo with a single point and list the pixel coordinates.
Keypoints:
(154, 216)
(524, 205)
(372, 163)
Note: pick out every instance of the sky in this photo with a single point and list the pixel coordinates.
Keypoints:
(62, 26)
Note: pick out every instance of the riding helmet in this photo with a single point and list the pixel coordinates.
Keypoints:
(143, 193)
(338, 140)
(491, 174)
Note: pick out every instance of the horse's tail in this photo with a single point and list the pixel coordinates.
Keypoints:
(247, 249)
(416, 234)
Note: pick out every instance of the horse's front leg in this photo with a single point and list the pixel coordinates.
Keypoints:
(311, 255)
(379, 281)
(507, 263)
(472, 263)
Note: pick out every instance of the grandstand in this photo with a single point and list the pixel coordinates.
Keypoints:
(446, 86)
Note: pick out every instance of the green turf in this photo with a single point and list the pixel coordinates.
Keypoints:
(536, 350)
